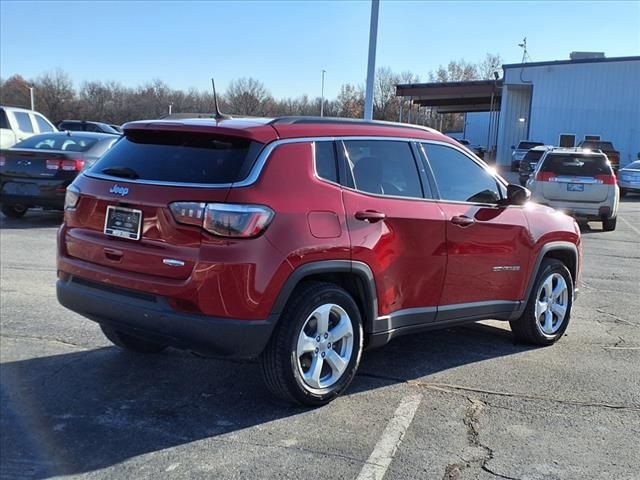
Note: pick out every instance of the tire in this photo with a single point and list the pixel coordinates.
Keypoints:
(294, 352)
(528, 328)
(609, 224)
(623, 192)
(131, 343)
(14, 211)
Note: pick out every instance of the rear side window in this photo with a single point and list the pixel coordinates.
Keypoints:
(326, 165)
(459, 178)
(4, 123)
(383, 167)
(24, 122)
(43, 125)
(577, 165)
(198, 158)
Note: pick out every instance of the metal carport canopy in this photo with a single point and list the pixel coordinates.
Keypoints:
(454, 97)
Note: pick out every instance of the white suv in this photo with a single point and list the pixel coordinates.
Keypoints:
(580, 182)
(16, 124)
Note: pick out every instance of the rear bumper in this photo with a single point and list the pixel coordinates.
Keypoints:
(150, 316)
(53, 201)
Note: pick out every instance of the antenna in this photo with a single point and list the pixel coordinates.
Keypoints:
(525, 54)
(218, 115)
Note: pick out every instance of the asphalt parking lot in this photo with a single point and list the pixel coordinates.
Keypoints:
(460, 403)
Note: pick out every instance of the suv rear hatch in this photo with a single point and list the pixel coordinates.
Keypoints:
(576, 177)
(136, 182)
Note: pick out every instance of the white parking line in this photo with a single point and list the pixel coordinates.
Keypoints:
(380, 459)
(629, 225)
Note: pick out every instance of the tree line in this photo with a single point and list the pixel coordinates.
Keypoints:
(112, 102)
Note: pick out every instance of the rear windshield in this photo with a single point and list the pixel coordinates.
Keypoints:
(528, 145)
(74, 143)
(595, 145)
(577, 165)
(179, 157)
(533, 155)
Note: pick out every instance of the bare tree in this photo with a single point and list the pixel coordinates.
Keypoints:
(55, 95)
(14, 91)
(248, 96)
(492, 63)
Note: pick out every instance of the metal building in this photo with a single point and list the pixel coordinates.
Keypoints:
(557, 103)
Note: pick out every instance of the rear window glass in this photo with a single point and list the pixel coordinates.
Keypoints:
(528, 145)
(533, 155)
(58, 142)
(577, 165)
(180, 157)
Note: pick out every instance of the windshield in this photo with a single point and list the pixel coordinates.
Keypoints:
(68, 143)
(180, 157)
(577, 165)
(533, 155)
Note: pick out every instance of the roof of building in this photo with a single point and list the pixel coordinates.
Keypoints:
(572, 62)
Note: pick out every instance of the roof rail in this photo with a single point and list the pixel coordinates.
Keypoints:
(300, 120)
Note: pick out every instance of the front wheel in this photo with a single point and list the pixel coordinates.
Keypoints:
(14, 211)
(315, 351)
(548, 309)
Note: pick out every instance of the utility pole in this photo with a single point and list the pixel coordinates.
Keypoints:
(371, 66)
(322, 95)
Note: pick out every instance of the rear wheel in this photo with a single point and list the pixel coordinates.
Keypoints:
(609, 224)
(548, 309)
(315, 351)
(14, 211)
(129, 342)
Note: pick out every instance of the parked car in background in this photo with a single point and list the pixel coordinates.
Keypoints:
(629, 178)
(85, 126)
(605, 147)
(117, 128)
(529, 162)
(17, 124)
(520, 151)
(37, 171)
(477, 149)
(299, 241)
(580, 182)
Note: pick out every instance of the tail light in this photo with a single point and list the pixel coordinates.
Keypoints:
(74, 165)
(545, 177)
(224, 219)
(71, 197)
(3, 161)
(606, 179)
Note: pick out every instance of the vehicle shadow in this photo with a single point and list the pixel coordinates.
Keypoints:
(32, 219)
(80, 412)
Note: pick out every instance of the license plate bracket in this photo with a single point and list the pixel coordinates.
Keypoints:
(123, 222)
(575, 187)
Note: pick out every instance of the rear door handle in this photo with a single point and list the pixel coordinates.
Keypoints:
(370, 216)
(462, 221)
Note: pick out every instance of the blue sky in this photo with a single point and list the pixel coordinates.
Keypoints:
(286, 44)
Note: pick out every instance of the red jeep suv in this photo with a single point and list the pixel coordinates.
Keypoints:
(302, 241)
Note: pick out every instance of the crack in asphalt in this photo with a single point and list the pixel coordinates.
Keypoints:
(452, 388)
(44, 339)
(616, 318)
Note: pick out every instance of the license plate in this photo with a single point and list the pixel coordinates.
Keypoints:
(123, 222)
(575, 187)
(20, 188)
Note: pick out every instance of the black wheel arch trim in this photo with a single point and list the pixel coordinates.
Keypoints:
(361, 270)
(547, 248)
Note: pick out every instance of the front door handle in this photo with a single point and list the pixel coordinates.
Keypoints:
(370, 216)
(462, 221)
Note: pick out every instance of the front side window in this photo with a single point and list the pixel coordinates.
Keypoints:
(24, 122)
(4, 123)
(459, 178)
(326, 165)
(43, 125)
(383, 167)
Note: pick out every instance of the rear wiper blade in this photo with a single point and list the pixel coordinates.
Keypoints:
(124, 172)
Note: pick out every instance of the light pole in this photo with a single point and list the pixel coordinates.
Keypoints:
(322, 95)
(371, 66)
(31, 95)
(170, 107)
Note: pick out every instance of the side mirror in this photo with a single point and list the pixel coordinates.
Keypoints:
(517, 195)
